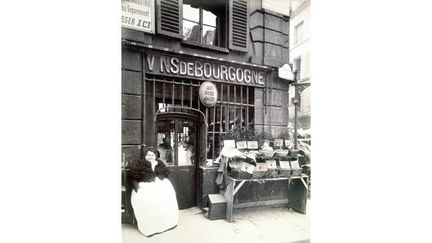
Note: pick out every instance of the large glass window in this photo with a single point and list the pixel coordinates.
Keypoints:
(234, 110)
(203, 22)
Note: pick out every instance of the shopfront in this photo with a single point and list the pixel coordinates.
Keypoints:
(186, 131)
(189, 131)
(186, 95)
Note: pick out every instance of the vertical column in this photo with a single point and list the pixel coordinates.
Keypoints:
(247, 108)
(241, 106)
(227, 118)
(214, 130)
(143, 77)
(182, 90)
(229, 197)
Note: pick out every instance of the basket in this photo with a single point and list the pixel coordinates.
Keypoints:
(281, 153)
(272, 173)
(268, 154)
(234, 171)
(237, 174)
(293, 153)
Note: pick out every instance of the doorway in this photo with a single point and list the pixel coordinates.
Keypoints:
(177, 137)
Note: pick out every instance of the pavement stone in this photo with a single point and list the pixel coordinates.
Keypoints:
(252, 225)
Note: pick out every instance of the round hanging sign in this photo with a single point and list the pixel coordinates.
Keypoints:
(208, 94)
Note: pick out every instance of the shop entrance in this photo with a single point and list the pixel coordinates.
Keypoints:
(177, 136)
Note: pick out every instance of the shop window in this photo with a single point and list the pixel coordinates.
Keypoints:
(234, 111)
(204, 22)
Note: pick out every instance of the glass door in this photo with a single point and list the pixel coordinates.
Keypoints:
(177, 146)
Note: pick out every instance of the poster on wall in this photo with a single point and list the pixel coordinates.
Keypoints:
(138, 15)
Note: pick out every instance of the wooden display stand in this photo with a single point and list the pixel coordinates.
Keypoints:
(296, 200)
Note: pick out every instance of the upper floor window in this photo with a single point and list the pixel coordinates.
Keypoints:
(298, 33)
(217, 24)
(297, 66)
(203, 22)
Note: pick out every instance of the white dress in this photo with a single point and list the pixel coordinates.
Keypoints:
(155, 206)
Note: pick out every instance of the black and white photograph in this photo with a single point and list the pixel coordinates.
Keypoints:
(216, 133)
(190, 121)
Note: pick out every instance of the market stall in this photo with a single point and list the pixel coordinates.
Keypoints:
(245, 161)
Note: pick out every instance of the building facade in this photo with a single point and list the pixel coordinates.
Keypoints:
(300, 54)
(173, 50)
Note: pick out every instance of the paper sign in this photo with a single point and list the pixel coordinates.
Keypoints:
(284, 164)
(261, 167)
(288, 143)
(271, 164)
(242, 145)
(295, 164)
(278, 142)
(252, 144)
(247, 168)
(229, 143)
(138, 15)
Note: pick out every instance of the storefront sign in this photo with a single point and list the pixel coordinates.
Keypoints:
(138, 15)
(208, 94)
(205, 70)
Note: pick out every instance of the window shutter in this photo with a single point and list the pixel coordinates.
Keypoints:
(169, 18)
(239, 25)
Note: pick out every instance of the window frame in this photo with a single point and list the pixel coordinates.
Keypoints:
(221, 30)
(297, 66)
(298, 35)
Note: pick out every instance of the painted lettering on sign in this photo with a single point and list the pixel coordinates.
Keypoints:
(198, 69)
(138, 15)
(208, 94)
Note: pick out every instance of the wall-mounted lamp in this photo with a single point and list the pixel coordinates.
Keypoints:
(286, 72)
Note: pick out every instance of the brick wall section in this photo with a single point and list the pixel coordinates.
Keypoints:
(270, 38)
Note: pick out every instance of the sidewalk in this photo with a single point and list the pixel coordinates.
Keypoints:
(253, 225)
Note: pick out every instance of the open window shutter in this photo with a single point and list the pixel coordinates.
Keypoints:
(239, 25)
(169, 18)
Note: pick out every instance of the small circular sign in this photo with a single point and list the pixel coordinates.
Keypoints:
(208, 94)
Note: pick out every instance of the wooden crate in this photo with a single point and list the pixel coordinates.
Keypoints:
(217, 206)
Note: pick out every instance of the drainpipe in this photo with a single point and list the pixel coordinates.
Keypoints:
(296, 104)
